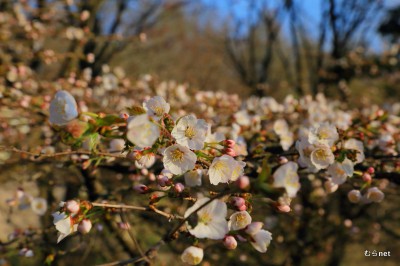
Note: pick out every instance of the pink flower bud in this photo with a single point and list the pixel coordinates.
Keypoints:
(141, 188)
(371, 170)
(243, 182)
(179, 187)
(124, 116)
(366, 177)
(283, 208)
(230, 242)
(238, 201)
(354, 196)
(72, 206)
(283, 160)
(230, 152)
(84, 226)
(242, 208)
(229, 143)
(253, 228)
(163, 181)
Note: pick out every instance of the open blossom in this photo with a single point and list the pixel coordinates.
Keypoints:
(190, 132)
(63, 108)
(324, 133)
(281, 127)
(192, 255)
(340, 171)
(305, 149)
(322, 156)
(286, 176)
(39, 206)
(224, 169)
(145, 160)
(142, 132)
(178, 159)
(353, 144)
(261, 240)
(354, 196)
(239, 220)
(156, 106)
(375, 195)
(193, 178)
(64, 225)
(211, 219)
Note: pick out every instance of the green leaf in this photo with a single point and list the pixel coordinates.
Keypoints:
(109, 120)
(265, 171)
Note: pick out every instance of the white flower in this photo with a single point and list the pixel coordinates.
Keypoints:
(190, 132)
(63, 224)
(305, 149)
(243, 118)
(375, 195)
(142, 132)
(145, 161)
(353, 144)
(221, 169)
(281, 127)
(39, 206)
(354, 196)
(192, 255)
(322, 156)
(238, 169)
(286, 176)
(340, 171)
(239, 220)
(286, 140)
(193, 178)
(117, 145)
(324, 133)
(254, 228)
(261, 240)
(178, 159)
(211, 219)
(63, 108)
(156, 106)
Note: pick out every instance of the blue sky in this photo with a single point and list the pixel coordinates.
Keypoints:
(310, 13)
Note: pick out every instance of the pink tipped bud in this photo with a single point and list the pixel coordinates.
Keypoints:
(230, 152)
(84, 226)
(141, 188)
(283, 160)
(367, 177)
(283, 208)
(72, 206)
(230, 242)
(253, 228)
(371, 170)
(242, 208)
(243, 182)
(229, 143)
(354, 196)
(163, 181)
(124, 116)
(179, 187)
(238, 201)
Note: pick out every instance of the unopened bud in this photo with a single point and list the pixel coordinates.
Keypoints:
(124, 116)
(229, 143)
(366, 177)
(179, 187)
(230, 242)
(243, 182)
(230, 152)
(84, 226)
(283, 208)
(371, 170)
(141, 188)
(354, 196)
(283, 160)
(72, 206)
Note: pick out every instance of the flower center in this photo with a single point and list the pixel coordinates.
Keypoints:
(321, 154)
(205, 218)
(241, 219)
(190, 132)
(158, 110)
(177, 155)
